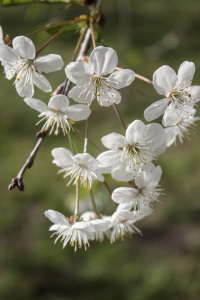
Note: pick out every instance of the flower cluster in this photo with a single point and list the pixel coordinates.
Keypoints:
(129, 159)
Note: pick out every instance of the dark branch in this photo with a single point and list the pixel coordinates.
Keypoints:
(17, 181)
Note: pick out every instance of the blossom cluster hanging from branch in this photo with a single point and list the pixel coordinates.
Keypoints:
(130, 157)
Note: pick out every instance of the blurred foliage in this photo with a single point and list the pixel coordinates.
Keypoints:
(165, 263)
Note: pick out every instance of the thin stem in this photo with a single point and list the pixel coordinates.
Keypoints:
(17, 181)
(92, 34)
(138, 76)
(143, 79)
(78, 43)
(38, 31)
(55, 36)
(110, 193)
(76, 212)
(70, 143)
(86, 137)
(89, 141)
(119, 116)
(94, 205)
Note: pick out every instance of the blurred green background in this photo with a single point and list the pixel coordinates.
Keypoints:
(165, 262)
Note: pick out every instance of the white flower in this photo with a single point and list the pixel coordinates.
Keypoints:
(132, 154)
(92, 80)
(147, 190)
(179, 125)
(20, 62)
(77, 234)
(122, 222)
(80, 166)
(101, 225)
(176, 89)
(58, 113)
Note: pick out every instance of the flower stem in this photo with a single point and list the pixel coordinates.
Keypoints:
(86, 137)
(94, 205)
(55, 36)
(143, 78)
(119, 116)
(70, 143)
(92, 33)
(76, 212)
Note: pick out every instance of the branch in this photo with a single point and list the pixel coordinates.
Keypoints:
(17, 181)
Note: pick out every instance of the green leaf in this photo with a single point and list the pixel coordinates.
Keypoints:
(73, 29)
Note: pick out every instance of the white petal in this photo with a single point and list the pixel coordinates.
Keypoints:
(42, 83)
(48, 63)
(85, 226)
(78, 112)
(25, 89)
(135, 132)
(63, 157)
(156, 109)
(81, 95)
(170, 135)
(186, 72)
(103, 60)
(85, 159)
(59, 103)
(164, 80)
(78, 72)
(108, 96)
(124, 195)
(194, 91)
(121, 78)
(155, 136)
(56, 217)
(24, 47)
(122, 215)
(114, 141)
(9, 70)
(171, 116)
(1, 35)
(110, 158)
(36, 104)
(100, 224)
(125, 206)
(120, 174)
(7, 54)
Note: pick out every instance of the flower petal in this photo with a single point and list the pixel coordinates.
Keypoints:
(114, 141)
(25, 87)
(103, 60)
(164, 80)
(120, 79)
(171, 134)
(124, 195)
(24, 47)
(81, 94)
(194, 92)
(171, 116)
(9, 70)
(78, 72)
(37, 104)
(106, 96)
(86, 160)
(59, 103)
(135, 132)
(78, 112)
(156, 109)
(155, 136)
(42, 83)
(56, 217)
(119, 173)
(185, 73)
(48, 63)
(110, 158)
(63, 157)
(7, 54)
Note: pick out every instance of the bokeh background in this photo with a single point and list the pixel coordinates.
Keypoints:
(164, 263)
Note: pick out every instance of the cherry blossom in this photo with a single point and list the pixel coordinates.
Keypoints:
(20, 62)
(58, 112)
(80, 166)
(130, 155)
(179, 125)
(77, 234)
(146, 191)
(92, 79)
(176, 89)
